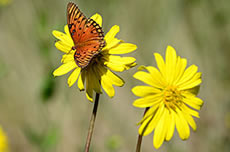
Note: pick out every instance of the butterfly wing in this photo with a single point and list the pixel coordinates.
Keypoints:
(76, 21)
(87, 35)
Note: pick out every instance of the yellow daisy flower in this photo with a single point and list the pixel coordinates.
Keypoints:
(98, 73)
(171, 95)
(3, 141)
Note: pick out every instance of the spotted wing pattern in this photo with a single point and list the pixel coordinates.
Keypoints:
(87, 35)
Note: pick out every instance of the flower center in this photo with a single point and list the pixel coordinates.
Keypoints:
(172, 97)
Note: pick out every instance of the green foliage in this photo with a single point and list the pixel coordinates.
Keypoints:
(113, 143)
(48, 88)
(45, 142)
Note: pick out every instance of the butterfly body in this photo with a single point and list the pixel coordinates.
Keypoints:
(87, 35)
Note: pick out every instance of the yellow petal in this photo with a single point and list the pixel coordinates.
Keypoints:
(107, 86)
(160, 131)
(115, 79)
(106, 82)
(65, 68)
(160, 64)
(66, 39)
(73, 77)
(111, 34)
(193, 102)
(188, 74)
(170, 63)
(81, 81)
(66, 29)
(144, 126)
(150, 112)
(67, 57)
(94, 81)
(182, 126)
(142, 91)
(171, 125)
(157, 78)
(115, 67)
(147, 128)
(193, 82)
(146, 78)
(89, 89)
(190, 120)
(62, 47)
(122, 48)
(180, 67)
(193, 98)
(128, 66)
(190, 111)
(97, 18)
(148, 101)
(119, 59)
(112, 44)
(4, 147)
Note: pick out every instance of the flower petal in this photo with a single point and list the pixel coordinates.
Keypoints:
(111, 34)
(65, 68)
(67, 57)
(122, 48)
(160, 131)
(115, 67)
(160, 64)
(148, 101)
(89, 89)
(146, 78)
(193, 102)
(66, 29)
(148, 128)
(63, 47)
(115, 79)
(119, 59)
(190, 120)
(94, 81)
(193, 82)
(73, 77)
(188, 110)
(81, 81)
(170, 64)
(180, 67)
(171, 125)
(97, 18)
(142, 91)
(188, 74)
(64, 38)
(182, 126)
(193, 98)
(112, 44)
(106, 82)
(117, 63)
(159, 81)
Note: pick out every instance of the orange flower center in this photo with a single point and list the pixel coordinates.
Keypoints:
(172, 97)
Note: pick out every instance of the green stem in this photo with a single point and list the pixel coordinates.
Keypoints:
(92, 122)
(139, 141)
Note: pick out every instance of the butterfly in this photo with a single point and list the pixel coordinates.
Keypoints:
(87, 35)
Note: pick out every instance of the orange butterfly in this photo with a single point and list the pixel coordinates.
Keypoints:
(87, 35)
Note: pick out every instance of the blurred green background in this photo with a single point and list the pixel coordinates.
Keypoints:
(41, 113)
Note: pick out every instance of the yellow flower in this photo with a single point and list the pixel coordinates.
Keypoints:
(98, 73)
(3, 141)
(171, 95)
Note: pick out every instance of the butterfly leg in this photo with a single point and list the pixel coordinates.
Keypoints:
(73, 48)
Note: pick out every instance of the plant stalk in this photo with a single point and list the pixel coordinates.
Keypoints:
(92, 122)
(139, 140)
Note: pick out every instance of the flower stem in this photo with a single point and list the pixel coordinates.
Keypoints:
(92, 122)
(139, 141)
